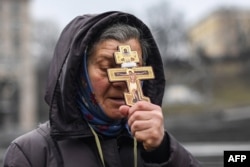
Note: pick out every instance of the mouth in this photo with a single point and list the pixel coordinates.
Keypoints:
(117, 100)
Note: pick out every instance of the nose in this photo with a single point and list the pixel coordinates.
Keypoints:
(121, 85)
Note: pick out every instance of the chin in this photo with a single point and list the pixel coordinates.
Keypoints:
(115, 114)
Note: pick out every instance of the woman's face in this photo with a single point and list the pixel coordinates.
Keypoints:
(109, 95)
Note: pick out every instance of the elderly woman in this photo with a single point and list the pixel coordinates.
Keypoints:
(90, 124)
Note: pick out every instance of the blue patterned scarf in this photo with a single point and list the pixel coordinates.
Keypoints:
(91, 110)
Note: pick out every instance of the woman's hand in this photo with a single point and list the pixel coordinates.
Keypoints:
(146, 123)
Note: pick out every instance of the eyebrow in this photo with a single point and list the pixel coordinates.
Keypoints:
(102, 58)
(105, 57)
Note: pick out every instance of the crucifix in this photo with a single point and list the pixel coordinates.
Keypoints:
(130, 73)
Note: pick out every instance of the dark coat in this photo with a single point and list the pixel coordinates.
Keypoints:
(66, 140)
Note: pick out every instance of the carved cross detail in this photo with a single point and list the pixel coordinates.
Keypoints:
(131, 74)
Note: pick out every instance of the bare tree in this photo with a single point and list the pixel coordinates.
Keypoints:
(168, 28)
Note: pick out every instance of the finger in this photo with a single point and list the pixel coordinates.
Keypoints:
(151, 138)
(142, 106)
(124, 110)
(146, 136)
(139, 115)
(154, 116)
(139, 126)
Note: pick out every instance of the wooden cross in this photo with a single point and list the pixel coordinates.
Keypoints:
(131, 74)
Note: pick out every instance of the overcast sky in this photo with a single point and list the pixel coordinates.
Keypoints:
(62, 11)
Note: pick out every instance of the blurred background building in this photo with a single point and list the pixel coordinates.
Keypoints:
(207, 67)
(225, 32)
(17, 79)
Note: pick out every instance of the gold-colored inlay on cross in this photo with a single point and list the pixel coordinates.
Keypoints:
(130, 73)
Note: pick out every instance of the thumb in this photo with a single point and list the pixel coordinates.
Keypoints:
(124, 110)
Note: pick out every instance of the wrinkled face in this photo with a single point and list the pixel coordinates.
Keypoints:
(109, 95)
